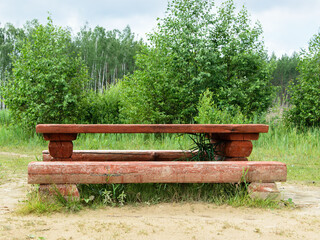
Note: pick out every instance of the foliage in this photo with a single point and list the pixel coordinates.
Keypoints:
(305, 94)
(153, 193)
(5, 117)
(48, 80)
(208, 112)
(150, 95)
(196, 48)
(204, 149)
(284, 73)
(102, 107)
(100, 195)
(109, 55)
(9, 40)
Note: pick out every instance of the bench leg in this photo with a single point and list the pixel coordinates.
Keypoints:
(233, 146)
(263, 191)
(60, 145)
(68, 191)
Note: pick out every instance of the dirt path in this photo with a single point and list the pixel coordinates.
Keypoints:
(15, 154)
(165, 221)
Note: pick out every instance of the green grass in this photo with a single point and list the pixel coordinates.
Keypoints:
(299, 149)
(4, 117)
(132, 141)
(96, 196)
(12, 167)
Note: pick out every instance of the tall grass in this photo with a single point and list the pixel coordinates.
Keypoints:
(15, 139)
(4, 117)
(133, 141)
(298, 148)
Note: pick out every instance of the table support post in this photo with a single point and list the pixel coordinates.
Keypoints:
(68, 191)
(60, 145)
(233, 146)
(264, 191)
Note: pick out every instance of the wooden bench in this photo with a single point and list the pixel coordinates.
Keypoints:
(64, 168)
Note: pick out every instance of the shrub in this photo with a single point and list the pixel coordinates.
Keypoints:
(305, 94)
(209, 112)
(195, 47)
(103, 107)
(47, 84)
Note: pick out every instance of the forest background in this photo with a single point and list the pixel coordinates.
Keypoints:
(202, 64)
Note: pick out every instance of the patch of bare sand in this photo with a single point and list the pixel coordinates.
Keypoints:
(15, 154)
(166, 221)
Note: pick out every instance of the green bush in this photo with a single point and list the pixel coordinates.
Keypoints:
(48, 80)
(151, 95)
(209, 112)
(102, 107)
(305, 94)
(196, 47)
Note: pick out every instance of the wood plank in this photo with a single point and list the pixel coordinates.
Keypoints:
(124, 155)
(154, 172)
(152, 128)
(236, 149)
(234, 136)
(60, 149)
(60, 136)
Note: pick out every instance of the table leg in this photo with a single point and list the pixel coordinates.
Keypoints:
(68, 191)
(263, 191)
(232, 146)
(60, 145)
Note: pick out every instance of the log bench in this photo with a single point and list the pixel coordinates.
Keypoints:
(64, 168)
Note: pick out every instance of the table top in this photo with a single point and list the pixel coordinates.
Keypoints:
(152, 128)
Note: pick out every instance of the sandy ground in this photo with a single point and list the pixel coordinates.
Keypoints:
(165, 221)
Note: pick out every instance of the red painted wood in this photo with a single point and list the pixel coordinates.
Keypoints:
(234, 136)
(123, 155)
(60, 136)
(263, 187)
(236, 149)
(60, 149)
(154, 172)
(263, 191)
(152, 128)
(67, 190)
(235, 159)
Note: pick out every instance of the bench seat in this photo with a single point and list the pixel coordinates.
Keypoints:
(63, 168)
(56, 172)
(125, 155)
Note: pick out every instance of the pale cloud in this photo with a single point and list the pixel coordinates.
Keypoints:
(140, 15)
(288, 24)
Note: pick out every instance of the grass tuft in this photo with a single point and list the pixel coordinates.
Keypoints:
(40, 203)
(37, 203)
(117, 195)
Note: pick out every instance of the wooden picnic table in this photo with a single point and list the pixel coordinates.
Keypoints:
(62, 165)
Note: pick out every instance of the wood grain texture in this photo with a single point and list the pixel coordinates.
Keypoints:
(234, 136)
(124, 155)
(235, 149)
(152, 128)
(154, 172)
(68, 190)
(60, 149)
(59, 136)
(264, 191)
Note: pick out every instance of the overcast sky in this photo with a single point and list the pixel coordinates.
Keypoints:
(288, 25)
